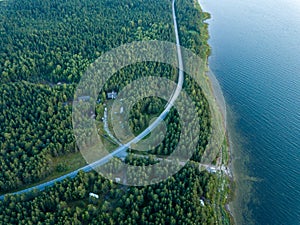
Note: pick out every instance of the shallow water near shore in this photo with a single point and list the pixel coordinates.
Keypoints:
(255, 56)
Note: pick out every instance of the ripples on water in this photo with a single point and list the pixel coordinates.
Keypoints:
(256, 57)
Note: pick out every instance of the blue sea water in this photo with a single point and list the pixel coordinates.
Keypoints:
(256, 58)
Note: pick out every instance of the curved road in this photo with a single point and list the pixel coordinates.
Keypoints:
(123, 148)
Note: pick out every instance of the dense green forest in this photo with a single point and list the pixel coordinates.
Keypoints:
(142, 112)
(46, 46)
(46, 42)
(54, 40)
(174, 201)
(34, 126)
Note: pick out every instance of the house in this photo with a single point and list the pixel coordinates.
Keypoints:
(118, 180)
(112, 95)
(211, 169)
(121, 110)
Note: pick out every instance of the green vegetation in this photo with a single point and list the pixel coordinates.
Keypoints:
(35, 126)
(174, 201)
(54, 41)
(46, 45)
(50, 42)
(142, 111)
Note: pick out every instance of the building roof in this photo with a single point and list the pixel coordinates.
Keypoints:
(112, 95)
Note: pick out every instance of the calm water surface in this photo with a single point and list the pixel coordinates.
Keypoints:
(256, 58)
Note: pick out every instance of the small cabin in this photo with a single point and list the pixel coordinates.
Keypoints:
(211, 169)
(112, 95)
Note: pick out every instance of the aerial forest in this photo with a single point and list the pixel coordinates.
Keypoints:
(46, 47)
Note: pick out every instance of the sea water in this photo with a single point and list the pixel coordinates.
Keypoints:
(256, 58)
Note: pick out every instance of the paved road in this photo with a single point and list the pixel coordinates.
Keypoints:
(124, 147)
(209, 167)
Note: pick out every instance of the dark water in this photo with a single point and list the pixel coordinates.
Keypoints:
(256, 58)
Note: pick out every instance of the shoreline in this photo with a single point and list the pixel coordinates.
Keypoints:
(221, 103)
(229, 172)
(240, 192)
